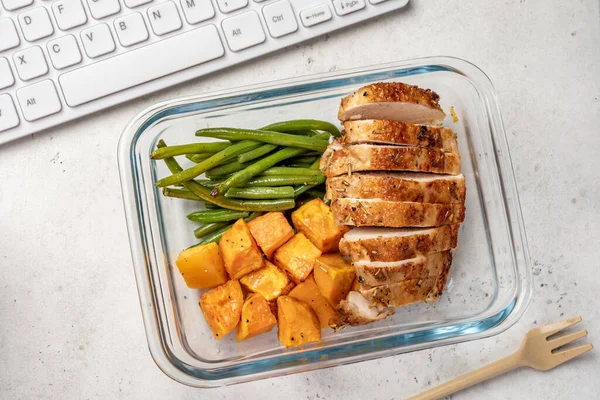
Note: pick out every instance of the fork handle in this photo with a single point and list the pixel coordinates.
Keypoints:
(479, 375)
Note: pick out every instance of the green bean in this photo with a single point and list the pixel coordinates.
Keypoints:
(198, 157)
(211, 206)
(210, 216)
(302, 125)
(193, 148)
(256, 153)
(243, 176)
(304, 160)
(226, 169)
(209, 163)
(278, 171)
(283, 180)
(281, 192)
(204, 230)
(180, 194)
(303, 188)
(281, 139)
(216, 236)
(303, 166)
(221, 201)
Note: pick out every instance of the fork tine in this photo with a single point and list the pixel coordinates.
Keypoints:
(563, 340)
(551, 329)
(569, 354)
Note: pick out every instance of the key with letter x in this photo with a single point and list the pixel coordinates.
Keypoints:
(30, 63)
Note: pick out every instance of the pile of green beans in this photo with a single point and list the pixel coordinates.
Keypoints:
(247, 173)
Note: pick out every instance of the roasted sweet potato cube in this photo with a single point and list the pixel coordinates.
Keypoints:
(296, 322)
(315, 220)
(222, 307)
(334, 277)
(309, 293)
(256, 318)
(202, 266)
(240, 253)
(271, 231)
(297, 257)
(269, 281)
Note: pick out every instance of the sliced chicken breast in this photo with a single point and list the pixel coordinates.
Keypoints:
(376, 273)
(408, 291)
(400, 133)
(392, 214)
(388, 244)
(392, 101)
(340, 160)
(399, 186)
(357, 310)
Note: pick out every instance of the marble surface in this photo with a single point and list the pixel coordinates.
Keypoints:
(70, 321)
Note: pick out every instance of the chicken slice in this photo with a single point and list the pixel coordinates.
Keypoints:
(339, 160)
(389, 244)
(376, 273)
(392, 214)
(400, 133)
(392, 101)
(399, 186)
(356, 310)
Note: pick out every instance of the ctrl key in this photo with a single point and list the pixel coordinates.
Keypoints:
(39, 100)
(8, 114)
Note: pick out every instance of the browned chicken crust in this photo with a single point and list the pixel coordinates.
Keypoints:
(357, 212)
(419, 188)
(388, 92)
(392, 248)
(399, 133)
(339, 160)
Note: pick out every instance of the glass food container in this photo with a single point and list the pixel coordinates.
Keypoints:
(490, 281)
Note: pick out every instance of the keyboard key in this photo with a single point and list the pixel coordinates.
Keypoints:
(39, 100)
(6, 76)
(103, 8)
(280, 19)
(64, 52)
(196, 11)
(97, 41)
(12, 5)
(243, 31)
(135, 3)
(345, 7)
(69, 14)
(228, 6)
(8, 113)
(36, 24)
(9, 37)
(315, 15)
(164, 18)
(138, 66)
(30, 63)
(131, 29)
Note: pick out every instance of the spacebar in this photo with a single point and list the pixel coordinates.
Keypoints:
(141, 65)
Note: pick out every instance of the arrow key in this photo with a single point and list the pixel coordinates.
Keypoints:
(315, 15)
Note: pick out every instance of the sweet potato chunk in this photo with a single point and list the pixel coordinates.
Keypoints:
(271, 231)
(222, 307)
(202, 266)
(297, 257)
(296, 322)
(256, 318)
(240, 253)
(309, 293)
(269, 281)
(334, 277)
(315, 220)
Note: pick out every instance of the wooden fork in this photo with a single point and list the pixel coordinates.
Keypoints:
(539, 350)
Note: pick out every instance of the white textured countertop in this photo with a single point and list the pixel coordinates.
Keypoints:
(70, 320)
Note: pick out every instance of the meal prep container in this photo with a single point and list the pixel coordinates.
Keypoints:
(490, 281)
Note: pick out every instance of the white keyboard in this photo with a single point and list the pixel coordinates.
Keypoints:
(63, 59)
